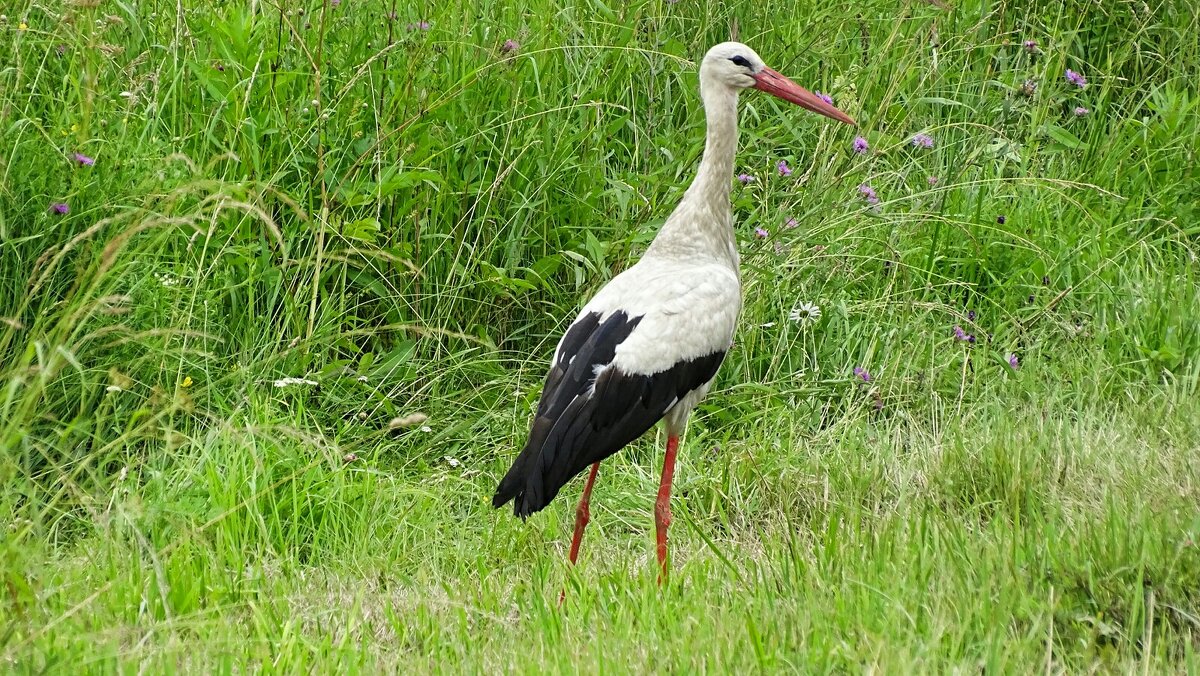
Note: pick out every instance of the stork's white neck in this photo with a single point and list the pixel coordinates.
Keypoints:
(702, 225)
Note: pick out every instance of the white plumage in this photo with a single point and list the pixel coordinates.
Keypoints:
(648, 344)
(687, 311)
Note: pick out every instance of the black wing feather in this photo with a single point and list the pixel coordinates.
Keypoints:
(583, 418)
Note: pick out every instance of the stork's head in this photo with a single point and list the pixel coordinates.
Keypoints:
(738, 67)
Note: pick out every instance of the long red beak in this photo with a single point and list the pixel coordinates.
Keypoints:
(775, 84)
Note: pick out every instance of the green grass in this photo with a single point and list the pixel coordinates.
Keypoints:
(410, 217)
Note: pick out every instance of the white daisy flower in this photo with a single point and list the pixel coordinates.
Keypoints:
(805, 313)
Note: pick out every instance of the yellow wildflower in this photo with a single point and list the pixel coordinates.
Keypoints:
(187, 381)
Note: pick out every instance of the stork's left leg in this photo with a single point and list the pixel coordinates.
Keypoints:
(583, 513)
(662, 506)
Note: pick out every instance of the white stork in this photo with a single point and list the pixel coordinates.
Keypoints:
(648, 345)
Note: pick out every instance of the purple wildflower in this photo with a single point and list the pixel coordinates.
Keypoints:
(60, 208)
(970, 315)
(509, 45)
(335, 3)
(959, 334)
(862, 373)
(825, 97)
(922, 141)
(1000, 219)
(1031, 46)
(1013, 362)
(790, 223)
(971, 338)
(860, 145)
(1080, 111)
(1076, 79)
(932, 180)
(84, 159)
(418, 26)
(868, 194)
(761, 233)
(745, 178)
(784, 169)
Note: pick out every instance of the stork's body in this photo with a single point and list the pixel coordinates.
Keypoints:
(648, 345)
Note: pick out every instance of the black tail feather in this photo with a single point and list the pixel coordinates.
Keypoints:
(511, 486)
(518, 485)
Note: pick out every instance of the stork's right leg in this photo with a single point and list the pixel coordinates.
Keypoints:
(582, 513)
(662, 506)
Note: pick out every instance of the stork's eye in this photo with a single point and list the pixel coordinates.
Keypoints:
(740, 61)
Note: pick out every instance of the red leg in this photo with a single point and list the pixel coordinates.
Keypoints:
(662, 506)
(582, 516)
(582, 513)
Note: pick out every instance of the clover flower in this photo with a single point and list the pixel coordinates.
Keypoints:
(868, 193)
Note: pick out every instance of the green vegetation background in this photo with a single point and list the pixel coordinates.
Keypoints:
(398, 209)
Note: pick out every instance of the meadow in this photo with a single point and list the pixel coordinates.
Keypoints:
(279, 283)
